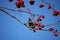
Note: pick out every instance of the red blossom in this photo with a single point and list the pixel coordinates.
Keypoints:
(31, 2)
(39, 19)
(49, 6)
(41, 5)
(42, 16)
(55, 34)
(20, 4)
(39, 25)
(51, 29)
(55, 13)
(35, 23)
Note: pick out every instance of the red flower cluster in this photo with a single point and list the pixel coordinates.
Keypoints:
(19, 4)
(51, 29)
(40, 18)
(31, 2)
(55, 33)
(39, 25)
(41, 5)
(55, 13)
(35, 23)
(49, 6)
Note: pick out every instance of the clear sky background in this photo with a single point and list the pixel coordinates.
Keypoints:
(10, 29)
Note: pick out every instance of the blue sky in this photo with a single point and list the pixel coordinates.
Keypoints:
(10, 29)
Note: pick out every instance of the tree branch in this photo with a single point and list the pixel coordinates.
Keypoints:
(14, 17)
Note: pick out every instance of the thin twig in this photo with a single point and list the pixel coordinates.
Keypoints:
(14, 17)
(19, 11)
(56, 23)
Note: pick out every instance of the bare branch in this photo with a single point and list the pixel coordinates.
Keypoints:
(19, 11)
(56, 23)
(14, 17)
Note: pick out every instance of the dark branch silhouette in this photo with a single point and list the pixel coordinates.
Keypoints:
(13, 17)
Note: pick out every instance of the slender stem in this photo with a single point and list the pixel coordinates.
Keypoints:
(56, 23)
(14, 17)
(19, 11)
